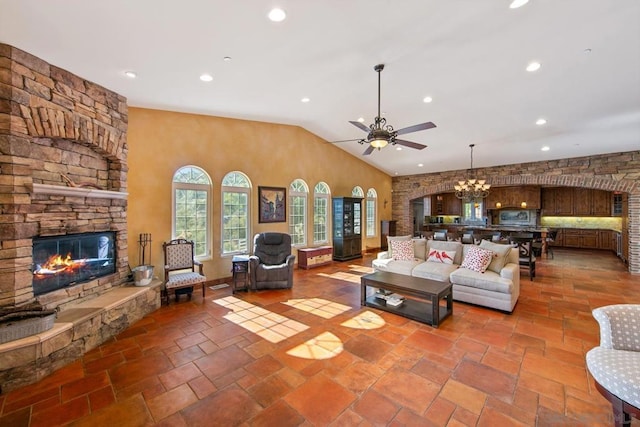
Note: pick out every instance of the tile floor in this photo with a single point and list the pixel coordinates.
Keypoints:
(194, 363)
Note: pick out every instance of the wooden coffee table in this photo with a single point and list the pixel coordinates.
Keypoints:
(423, 296)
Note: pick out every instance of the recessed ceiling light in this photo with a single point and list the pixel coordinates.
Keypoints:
(517, 3)
(541, 122)
(361, 119)
(398, 148)
(587, 51)
(533, 66)
(545, 148)
(206, 77)
(420, 165)
(277, 15)
(427, 99)
(227, 59)
(305, 99)
(131, 74)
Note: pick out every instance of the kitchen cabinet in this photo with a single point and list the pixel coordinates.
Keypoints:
(446, 204)
(580, 238)
(568, 201)
(512, 197)
(606, 240)
(347, 228)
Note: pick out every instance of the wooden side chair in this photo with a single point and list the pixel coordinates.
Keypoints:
(524, 243)
(180, 268)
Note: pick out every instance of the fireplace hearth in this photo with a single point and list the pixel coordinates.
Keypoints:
(62, 261)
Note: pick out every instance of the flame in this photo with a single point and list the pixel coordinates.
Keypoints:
(57, 264)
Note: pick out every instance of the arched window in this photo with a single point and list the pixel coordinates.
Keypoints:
(357, 192)
(370, 209)
(236, 192)
(191, 208)
(321, 195)
(298, 192)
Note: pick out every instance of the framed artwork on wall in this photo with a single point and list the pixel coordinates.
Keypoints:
(272, 202)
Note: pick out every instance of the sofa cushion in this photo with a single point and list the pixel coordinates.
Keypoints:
(434, 271)
(488, 280)
(420, 248)
(392, 239)
(618, 371)
(446, 246)
(402, 250)
(443, 257)
(477, 259)
(393, 266)
(500, 254)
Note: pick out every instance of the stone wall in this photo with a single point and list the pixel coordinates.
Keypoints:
(57, 129)
(611, 172)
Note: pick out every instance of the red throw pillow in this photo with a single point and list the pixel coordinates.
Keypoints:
(402, 250)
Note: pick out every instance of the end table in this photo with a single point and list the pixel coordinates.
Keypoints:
(240, 271)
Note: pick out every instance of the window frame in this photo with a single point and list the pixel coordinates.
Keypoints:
(207, 188)
(295, 193)
(242, 190)
(371, 212)
(321, 191)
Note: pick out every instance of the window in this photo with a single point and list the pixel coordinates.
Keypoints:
(320, 212)
(472, 211)
(192, 208)
(236, 190)
(370, 210)
(357, 192)
(298, 212)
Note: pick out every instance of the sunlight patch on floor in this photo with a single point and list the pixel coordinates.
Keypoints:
(361, 268)
(266, 324)
(324, 346)
(365, 320)
(343, 275)
(318, 306)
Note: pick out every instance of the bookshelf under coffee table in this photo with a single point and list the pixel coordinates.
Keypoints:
(422, 296)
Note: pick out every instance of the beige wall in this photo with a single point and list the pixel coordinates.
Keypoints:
(274, 155)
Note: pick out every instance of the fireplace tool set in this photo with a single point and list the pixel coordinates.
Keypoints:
(143, 273)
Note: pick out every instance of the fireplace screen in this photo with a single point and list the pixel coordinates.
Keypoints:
(61, 261)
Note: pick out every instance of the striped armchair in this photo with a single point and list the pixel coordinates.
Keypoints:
(179, 267)
(615, 364)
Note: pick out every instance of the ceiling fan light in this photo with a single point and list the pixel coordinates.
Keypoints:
(379, 143)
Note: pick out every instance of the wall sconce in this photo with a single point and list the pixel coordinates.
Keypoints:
(523, 205)
(498, 205)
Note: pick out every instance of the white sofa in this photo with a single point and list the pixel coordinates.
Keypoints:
(498, 287)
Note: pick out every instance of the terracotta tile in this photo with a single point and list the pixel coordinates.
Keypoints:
(171, 402)
(187, 355)
(334, 398)
(440, 411)
(432, 371)
(503, 361)
(264, 366)
(19, 418)
(65, 413)
(279, 414)
(552, 369)
(376, 408)
(224, 360)
(101, 398)
(407, 389)
(269, 390)
(367, 348)
(202, 387)
(139, 369)
(487, 379)
(231, 406)
(132, 409)
(103, 363)
(464, 396)
(408, 418)
(464, 416)
(83, 386)
(490, 418)
(12, 403)
(358, 376)
(429, 342)
(348, 418)
(179, 375)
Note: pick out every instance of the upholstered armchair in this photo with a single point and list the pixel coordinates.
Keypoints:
(271, 265)
(615, 364)
(179, 267)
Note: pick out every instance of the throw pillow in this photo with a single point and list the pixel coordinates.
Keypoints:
(444, 257)
(477, 259)
(420, 248)
(500, 255)
(402, 250)
(392, 239)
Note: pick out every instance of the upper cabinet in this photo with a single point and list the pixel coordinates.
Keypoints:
(446, 204)
(569, 201)
(514, 197)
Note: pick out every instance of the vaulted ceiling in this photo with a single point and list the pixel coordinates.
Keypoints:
(468, 56)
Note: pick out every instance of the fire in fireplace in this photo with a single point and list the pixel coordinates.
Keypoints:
(61, 261)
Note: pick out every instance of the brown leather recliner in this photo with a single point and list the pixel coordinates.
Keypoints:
(271, 265)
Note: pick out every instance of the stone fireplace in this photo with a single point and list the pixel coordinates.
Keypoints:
(63, 158)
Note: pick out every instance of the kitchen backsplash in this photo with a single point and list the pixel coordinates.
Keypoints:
(604, 223)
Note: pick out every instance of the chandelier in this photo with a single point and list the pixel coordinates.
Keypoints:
(472, 189)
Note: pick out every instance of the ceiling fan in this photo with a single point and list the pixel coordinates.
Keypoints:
(380, 133)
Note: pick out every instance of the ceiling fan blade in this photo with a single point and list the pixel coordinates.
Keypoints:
(369, 150)
(415, 128)
(360, 126)
(410, 144)
(346, 140)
